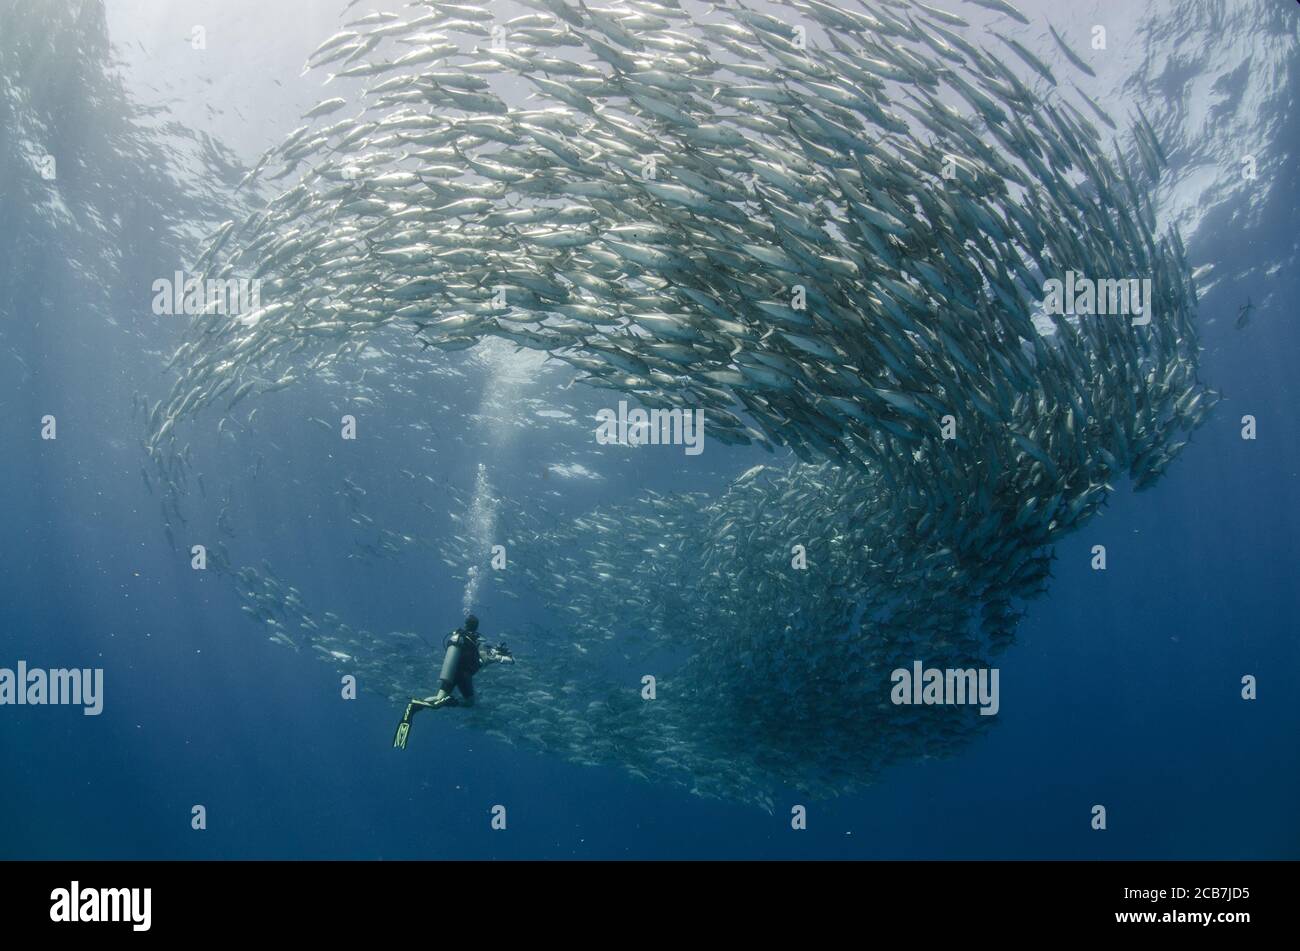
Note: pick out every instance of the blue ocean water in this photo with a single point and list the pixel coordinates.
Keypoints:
(1123, 688)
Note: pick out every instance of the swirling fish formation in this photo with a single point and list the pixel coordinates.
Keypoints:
(829, 229)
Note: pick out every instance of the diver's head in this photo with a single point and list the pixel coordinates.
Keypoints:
(471, 624)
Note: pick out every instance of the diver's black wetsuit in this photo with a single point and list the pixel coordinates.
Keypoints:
(470, 663)
(465, 656)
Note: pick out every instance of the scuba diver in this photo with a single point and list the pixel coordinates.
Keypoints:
(1243, 313)
(465, 655)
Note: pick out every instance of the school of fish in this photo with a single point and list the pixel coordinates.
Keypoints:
(827, 226)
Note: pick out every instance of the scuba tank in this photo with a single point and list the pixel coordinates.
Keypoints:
(461, 657)
(451, 660)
